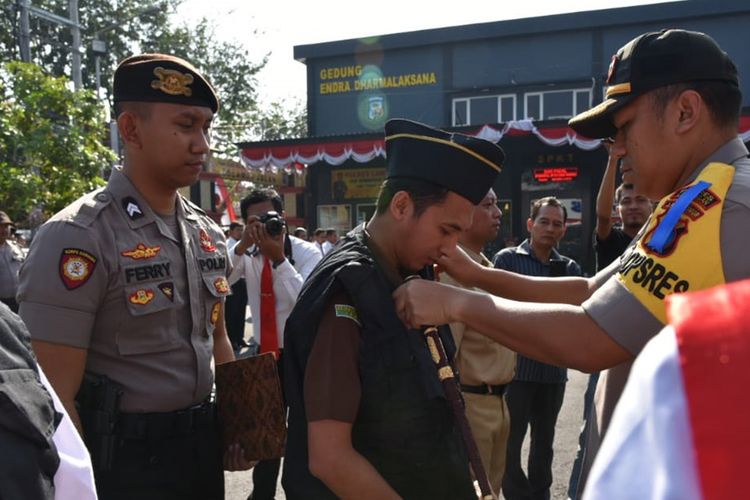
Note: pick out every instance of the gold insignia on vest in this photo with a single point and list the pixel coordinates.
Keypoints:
(221, 285)
(172, 82)
(141, 252)
(215, 313)
(141, 297)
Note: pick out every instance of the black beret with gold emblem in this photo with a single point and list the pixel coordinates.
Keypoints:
(162, 78)
(464, 164)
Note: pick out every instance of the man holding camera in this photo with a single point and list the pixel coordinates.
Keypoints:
(274, 266)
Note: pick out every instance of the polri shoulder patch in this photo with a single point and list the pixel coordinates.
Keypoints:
(347, 311)
(76, 266)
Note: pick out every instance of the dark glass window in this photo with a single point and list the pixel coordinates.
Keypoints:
(507, 109)
(533, 105)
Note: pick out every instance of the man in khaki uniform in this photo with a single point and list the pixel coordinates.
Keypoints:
(127, 286)
(485, 367)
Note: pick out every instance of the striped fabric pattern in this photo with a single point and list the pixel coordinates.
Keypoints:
(521, 260)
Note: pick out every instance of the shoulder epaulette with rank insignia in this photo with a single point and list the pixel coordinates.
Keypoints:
(193, 206)
(86, 209)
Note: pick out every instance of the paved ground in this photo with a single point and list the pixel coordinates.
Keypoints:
(239, 484)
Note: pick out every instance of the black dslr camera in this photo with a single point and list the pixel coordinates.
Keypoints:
(274, 223)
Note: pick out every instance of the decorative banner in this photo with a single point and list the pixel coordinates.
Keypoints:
(347, 184)
(363, 151)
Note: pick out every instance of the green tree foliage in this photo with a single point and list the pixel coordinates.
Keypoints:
(51, 141)
(122, 24)
(280, 120)
(131, 26)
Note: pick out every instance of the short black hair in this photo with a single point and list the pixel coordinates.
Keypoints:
(547, 201)
(423, 194)
(141, 109)
(234, 225)
(259, 196)
(619, 190)
(723, 99)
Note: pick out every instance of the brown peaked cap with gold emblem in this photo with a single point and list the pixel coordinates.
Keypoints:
(162, 78)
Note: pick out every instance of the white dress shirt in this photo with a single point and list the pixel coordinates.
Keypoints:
(287, 280)
(648, 450)
(231, 242)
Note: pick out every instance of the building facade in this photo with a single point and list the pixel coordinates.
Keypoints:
(516, 82)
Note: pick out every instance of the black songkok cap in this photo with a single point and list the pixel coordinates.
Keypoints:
(650, 61)
(162, 78)
(464, 164)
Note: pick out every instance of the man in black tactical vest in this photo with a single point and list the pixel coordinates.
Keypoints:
(367, 414)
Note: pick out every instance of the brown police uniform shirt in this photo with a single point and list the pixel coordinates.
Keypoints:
(479, 359)
(108, 275)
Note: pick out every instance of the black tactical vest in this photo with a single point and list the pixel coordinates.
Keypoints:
(404, 427)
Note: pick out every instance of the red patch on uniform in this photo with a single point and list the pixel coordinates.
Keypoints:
(207, 244)
(141, 252)
(612, 67)
(221, 285)
(141, 297)
(215, 312)
(76, 267)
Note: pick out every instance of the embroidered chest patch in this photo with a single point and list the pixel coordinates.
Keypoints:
(207, 244)
(141, 297)
(141, 252)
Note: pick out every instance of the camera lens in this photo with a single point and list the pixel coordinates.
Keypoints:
(274, 226)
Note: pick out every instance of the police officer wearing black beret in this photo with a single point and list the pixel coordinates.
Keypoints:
(123, 293)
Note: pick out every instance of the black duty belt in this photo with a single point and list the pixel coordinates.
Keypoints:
(166, 425)
(490, 390)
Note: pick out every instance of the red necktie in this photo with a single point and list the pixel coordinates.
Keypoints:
(269, 339)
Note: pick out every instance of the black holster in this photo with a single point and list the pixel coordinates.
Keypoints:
(98, 404)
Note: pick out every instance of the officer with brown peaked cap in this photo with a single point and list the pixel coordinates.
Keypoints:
(123, 295)
(672, 108)
(367, 412)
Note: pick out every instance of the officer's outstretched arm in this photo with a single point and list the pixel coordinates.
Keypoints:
(334, 461)
(566, 290)
(64, 366)
(558, 334)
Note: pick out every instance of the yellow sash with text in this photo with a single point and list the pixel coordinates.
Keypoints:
(691, 257)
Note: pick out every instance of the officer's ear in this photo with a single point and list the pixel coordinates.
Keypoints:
(401, 206)
(690, 108)
(127, 124)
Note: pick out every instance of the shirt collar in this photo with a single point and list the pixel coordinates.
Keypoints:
(479, 258)
(525, 249)
(728, 153)
(391, 273)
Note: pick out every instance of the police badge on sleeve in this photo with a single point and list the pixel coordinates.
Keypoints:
(76, 267)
